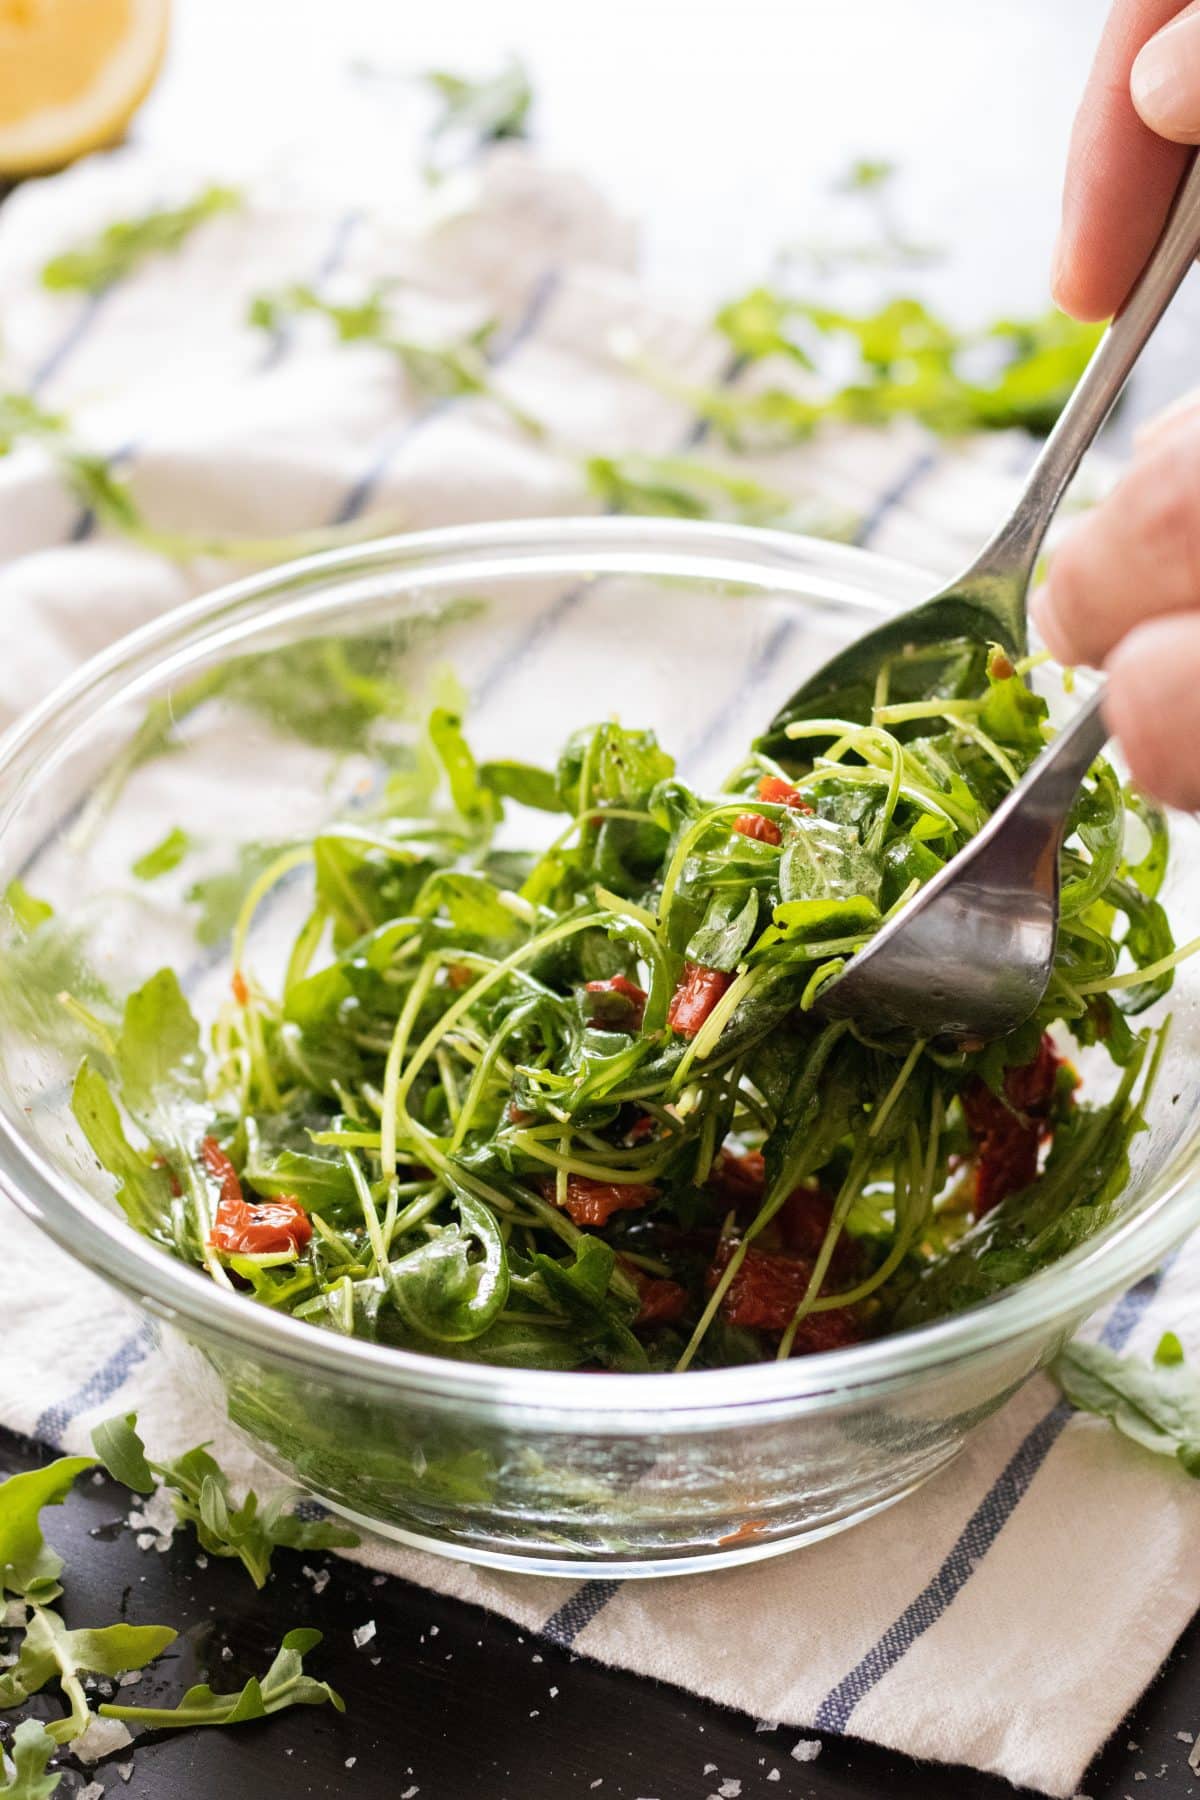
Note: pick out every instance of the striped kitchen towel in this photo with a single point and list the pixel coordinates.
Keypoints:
(1008, 1614)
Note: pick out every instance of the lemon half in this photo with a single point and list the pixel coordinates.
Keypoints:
(72, 73)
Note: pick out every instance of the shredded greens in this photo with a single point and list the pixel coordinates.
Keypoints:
(575, 1107)
(123, 246)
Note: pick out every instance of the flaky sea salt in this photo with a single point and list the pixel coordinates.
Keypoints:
(125, 1771)
(363, 1634)
(807, 1750)
(320, 1578)
(102, 1738)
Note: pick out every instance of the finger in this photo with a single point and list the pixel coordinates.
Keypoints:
(1165, 80)
(1180, 415)
(1137, 555)
(1150, 705)
(1121, 176)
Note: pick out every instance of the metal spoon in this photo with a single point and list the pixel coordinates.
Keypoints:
(971, 956)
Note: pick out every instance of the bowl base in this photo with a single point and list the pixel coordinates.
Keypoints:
(532, 1561)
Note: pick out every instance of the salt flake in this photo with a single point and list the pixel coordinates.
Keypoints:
(363, 1634)
(807, 1750)
(102, 1738)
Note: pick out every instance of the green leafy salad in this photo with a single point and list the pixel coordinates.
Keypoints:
(576, 1107)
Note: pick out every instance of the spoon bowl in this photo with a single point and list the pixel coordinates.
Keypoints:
(969, 959)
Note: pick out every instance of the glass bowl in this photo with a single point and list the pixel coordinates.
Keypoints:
(223, 718)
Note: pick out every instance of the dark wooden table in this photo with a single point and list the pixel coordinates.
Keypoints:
(450, 1703)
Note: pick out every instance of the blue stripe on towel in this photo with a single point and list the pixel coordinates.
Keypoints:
(363, 490)
(101, 1385)
(978, 1535)
(70, 341)
(565, 1625)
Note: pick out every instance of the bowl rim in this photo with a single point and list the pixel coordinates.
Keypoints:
(173, 1291)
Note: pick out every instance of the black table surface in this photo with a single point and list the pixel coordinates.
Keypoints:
(447, 1702)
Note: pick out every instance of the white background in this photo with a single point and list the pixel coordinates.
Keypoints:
(719, 125)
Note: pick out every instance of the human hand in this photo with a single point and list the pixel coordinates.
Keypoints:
(1123, 590)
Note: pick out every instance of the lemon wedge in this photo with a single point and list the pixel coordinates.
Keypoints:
(72, 73)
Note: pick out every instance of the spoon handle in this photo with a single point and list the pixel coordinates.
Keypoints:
(1012, 552)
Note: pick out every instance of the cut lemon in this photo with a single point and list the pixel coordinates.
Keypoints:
(72, 74)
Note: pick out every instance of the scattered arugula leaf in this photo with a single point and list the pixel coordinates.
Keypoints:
(1157, 1403)
(445, 371)
(32, 1748)
(98, 488)
(681, 487)
(474, 113)
(202, 1497)
(165, 856)
(29, 1568)
(49, 1652)
(122, 246)
(28, 911)
(284, 1684)
(906, 363)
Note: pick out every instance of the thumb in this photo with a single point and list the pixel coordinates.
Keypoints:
(1165, 79)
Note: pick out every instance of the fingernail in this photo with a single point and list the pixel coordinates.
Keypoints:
(1165, 79)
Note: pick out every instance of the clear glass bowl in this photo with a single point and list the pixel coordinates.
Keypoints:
(699, 631)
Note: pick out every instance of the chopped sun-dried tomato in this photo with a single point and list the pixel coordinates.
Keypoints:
(1008, 1132)
(619, 1004)
(459, 976)
(764, 1295)
(517, 1115)
(641, 1129)
(242, 1228)
(782, 793)
(663, 1301)
(739, 1181)
(745, 1533)
(221, 1170)
(241, 992)
(756, 825)
(591, 1202)
(698, 991)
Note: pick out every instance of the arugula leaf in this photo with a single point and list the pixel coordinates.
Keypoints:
(487, 111)
(453, 1286)
(682, 487)
(522, 782)
(582, 1291)
(28, 911)
(29, 1568)
(284, 1684)
(159, 1061)
(143, 1183)
(32, 1748)
(445, 371)
(202, 1497)
(906, 363)
(166, 855)
(1157, 1403)
(49, 1652)
(122, 246)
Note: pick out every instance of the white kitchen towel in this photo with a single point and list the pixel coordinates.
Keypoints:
(1008, 1614)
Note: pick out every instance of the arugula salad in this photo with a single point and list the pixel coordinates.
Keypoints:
(574, 1107)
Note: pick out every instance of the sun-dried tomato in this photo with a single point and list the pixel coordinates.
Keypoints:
(261, 1228)
(697, 993)
(1008, 1132)
(663, 1301)
(591, 1202)
(782, 793)
(764, 1295)
(459, 976)
(618, 1006)
(237, 983)
(739, 1181)
(757, 825)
